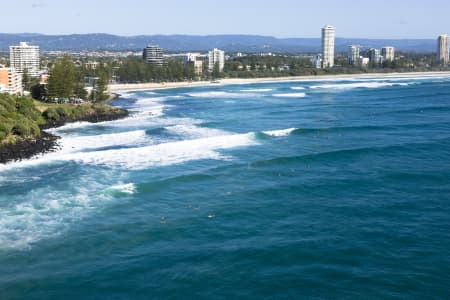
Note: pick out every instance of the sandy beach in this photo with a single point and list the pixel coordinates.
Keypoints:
(116, 88)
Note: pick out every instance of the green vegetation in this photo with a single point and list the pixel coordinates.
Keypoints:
(135, 70)
(28, 82)
(66, 80)
(61, 80)
(57, 113)
(21, 117)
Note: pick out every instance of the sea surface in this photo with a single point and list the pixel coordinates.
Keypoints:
(325, 189)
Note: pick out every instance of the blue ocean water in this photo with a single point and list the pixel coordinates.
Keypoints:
(325, 189)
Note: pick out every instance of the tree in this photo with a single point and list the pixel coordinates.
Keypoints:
(216, 71)
(79, 88)
(99, 88)
(61, 80)
(26, 80)
(39, 92)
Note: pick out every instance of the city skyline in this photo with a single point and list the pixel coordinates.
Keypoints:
(286, 18)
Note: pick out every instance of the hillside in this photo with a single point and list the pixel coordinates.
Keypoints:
(22, 121)
(230, 43)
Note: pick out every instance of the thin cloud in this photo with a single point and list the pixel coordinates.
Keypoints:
(39, 5)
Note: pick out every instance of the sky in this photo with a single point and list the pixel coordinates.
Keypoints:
(280, 18)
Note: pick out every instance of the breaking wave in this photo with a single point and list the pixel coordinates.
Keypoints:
(290, 95)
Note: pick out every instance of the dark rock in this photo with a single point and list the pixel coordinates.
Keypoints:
(94, 118)
(27, 148)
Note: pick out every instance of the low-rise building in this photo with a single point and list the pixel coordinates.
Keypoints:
(192, 58)
(364, 61)
(198, 67)
(316, 61)
(10, 81)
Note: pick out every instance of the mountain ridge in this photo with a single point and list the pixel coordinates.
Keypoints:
(229, 42)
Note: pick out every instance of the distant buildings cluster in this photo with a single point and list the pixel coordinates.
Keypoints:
(357, 57)
(354, 56)
(154, 55)
(25, 59)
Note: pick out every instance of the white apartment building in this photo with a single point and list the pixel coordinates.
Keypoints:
(328, 35)
(353, 55)
(216, 56)
(375, 56)
(388, 53)
(25, 57)
(443, 49)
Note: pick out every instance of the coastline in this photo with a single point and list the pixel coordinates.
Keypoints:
(29, 147)
(116, 88)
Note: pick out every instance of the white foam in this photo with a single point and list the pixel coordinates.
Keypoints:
(46, 212)
(152, 107)
(71, 144)
(221, 94)
(345, 86)
(126, 188)
(401, 78)
(151, 111)
(164, 154)
(290, 95)
(194, 132)
(257, 90)
(279, 133)
(297, 88)
(70, 126)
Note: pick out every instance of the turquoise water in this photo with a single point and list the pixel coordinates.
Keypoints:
(315, 190)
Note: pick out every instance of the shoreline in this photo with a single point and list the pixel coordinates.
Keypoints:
(117, 88)
(45, 143)
(28, 148)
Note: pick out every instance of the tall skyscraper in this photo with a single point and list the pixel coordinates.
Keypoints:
(328, 46)
(388, 53)
(353, 55)
(25, 57)
(216, 56)
(443, 55)
(153, 55)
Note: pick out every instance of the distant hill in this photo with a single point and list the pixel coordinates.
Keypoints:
(243, 43)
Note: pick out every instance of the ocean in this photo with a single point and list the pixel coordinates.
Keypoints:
(321, 189)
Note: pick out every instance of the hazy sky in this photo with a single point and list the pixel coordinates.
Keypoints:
(280, 18)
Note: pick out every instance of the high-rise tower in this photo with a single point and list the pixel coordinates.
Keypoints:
(443, 56)
(328, 46)
(25, 57)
